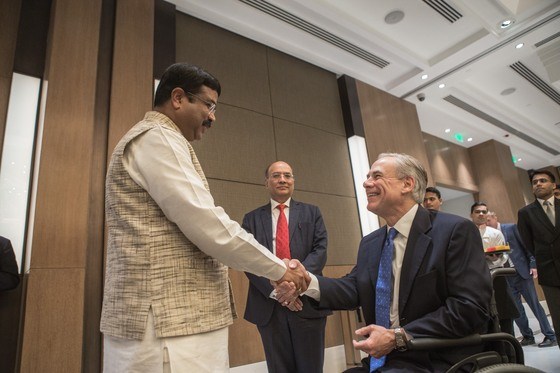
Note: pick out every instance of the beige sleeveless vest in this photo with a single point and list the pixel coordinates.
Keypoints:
(150, 263)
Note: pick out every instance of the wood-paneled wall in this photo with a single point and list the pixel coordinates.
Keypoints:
(498, 180)
(54, 324)
(450, 164)
(391, 125)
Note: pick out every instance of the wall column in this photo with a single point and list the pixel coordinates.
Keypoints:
(498, 181)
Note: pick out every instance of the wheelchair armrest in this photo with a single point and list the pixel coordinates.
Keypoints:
(424, 344)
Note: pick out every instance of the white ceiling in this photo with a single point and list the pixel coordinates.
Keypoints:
(470, 54)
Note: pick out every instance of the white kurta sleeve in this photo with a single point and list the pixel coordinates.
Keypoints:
(159, 162)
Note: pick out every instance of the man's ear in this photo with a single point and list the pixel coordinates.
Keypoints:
(177, 96)
(408, 185)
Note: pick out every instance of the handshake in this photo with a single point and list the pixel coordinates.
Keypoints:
(294, 282)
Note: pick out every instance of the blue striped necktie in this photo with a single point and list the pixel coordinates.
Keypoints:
(383, 290)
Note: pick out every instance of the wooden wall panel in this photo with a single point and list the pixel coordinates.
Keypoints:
(308, 151)
(52, 339)
(343, 225)
(450, 164)
(132, 82)
(237, 62)
(238, 147)
(525, 184)
(304, 93)
(391, 125)
(498, 181)
(62, 197)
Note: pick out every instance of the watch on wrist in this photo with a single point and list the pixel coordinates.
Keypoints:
(400, 339)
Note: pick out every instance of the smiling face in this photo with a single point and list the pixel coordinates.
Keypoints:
(388, 195)
(280, 181)
(191, 113)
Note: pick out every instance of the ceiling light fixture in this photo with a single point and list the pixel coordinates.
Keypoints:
(507, 91)
(425, 76)
(447, 130)
(507, 23)
(442, 85)
(394, 17)
(469, 139)
(519, 46)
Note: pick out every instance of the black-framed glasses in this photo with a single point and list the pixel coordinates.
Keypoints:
(210, 105)
(481, 211)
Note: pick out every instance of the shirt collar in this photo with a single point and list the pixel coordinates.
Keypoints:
(404, 224)
(273, 203)
(551, 200)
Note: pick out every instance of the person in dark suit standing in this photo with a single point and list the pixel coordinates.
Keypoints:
(522, 284)
(293, 341)
(440, 284)
(539, 227)
(9, 274)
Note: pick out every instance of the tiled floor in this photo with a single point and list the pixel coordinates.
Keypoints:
(546, 359)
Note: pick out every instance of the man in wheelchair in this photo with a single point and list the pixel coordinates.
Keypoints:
(423, 275)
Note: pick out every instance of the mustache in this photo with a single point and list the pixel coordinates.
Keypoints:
(207, 123)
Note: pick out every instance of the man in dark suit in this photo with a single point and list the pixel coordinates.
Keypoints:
(293, 341)
(440, 281)
(539, 227)
(522, 284)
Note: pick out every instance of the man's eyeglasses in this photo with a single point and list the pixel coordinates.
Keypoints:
(278, 175)
(481, 211)
(210, 105)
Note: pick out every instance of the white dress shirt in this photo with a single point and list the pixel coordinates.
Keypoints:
(403, 226)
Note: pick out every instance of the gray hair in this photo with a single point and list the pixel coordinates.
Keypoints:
(408, 166)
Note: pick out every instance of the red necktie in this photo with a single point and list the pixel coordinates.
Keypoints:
(282, 235)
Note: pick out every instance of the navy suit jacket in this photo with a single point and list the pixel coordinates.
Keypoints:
(445, 287)
(542, 239)
(522, 260)
(308, 244)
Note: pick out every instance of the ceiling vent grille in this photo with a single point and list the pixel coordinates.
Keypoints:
(310, 28)
(546, 40)
(540, 84)
(447, 11)
(498, 123)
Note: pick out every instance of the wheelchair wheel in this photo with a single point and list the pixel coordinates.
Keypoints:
(509, 368)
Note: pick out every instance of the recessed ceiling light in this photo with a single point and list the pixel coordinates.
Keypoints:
(519, 159)
(441, 85)
(506, 23)
(425, 76)
(519, 46)
(469, 139)
(507, 91)
(447, 130)
(394, 17)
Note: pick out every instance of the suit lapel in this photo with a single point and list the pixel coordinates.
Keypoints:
(416, 248)
(266, 222)
(295, 212)
(538, 213)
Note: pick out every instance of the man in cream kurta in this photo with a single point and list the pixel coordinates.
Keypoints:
(167, 300)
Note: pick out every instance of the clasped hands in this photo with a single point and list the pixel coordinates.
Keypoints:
(294, 282)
